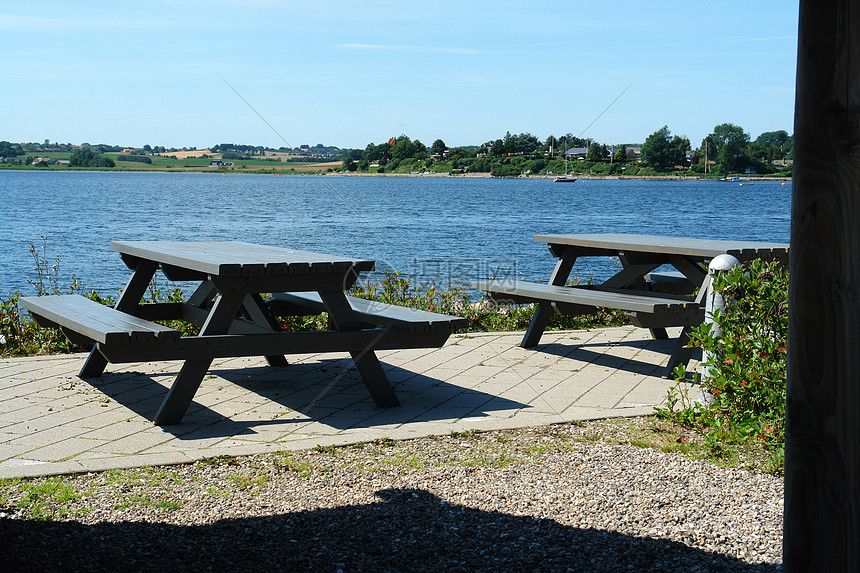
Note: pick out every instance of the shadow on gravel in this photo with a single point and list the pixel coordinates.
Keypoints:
(411, 530)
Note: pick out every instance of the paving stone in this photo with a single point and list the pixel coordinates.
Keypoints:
(476, 382)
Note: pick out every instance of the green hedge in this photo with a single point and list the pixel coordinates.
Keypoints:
(134, 158)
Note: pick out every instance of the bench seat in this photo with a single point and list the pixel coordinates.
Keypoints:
(525, 292)
(82, 318)
(380, 314)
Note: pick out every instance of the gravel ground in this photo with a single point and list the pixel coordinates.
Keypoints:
(563, 498)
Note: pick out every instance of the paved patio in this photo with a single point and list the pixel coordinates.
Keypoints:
(52, 422)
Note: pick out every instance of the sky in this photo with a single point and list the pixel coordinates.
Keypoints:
(285, 73)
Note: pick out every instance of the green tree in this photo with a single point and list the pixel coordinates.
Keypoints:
(597, 152)
(403, 149)
(662, 151)
(438, 147)
(771, 145)
(657, 149)
(87, 158)
(420, 150)
(727, 145)
(8, 149)
(81, 157)
(679, 148)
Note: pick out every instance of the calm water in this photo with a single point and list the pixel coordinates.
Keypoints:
(431, 229)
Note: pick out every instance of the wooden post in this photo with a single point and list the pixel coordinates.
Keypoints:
(822, 461)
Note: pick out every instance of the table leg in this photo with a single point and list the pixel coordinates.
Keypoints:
(203, 294)
(544, 309)
(537, 325)
(658, 333)
(128, 302)
(191, 375)
(681, 354)
(343, 318)
(256, 310)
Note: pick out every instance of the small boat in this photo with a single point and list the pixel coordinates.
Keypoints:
(566, 178)
(746, 183)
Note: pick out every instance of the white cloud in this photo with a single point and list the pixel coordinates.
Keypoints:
(407, 48)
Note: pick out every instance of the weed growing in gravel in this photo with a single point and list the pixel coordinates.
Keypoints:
(326, 449)
(46, 499)
(285, 460)
(249, 481)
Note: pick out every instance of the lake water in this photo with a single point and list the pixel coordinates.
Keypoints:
(436, 229)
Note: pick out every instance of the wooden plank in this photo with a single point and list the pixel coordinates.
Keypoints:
(233, 345)
(822, 446)
(381, 314)
(96, 321)
(237, 258)
(240, 284)
(704, 248)
(643, 302)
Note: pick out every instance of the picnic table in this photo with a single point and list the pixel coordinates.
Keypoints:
(234, 318)
(653, 300)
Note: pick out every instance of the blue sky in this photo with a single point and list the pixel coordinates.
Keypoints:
(349, 73)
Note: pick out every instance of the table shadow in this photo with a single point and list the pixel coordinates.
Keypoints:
(584, 353)
(408, 530)
(329, 391)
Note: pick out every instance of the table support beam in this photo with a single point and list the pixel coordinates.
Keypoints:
(256, 311)
(191, 375)
(128, 301)
(544, 310)
(342, 317)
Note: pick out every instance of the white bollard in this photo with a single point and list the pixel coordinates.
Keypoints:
(713, 299)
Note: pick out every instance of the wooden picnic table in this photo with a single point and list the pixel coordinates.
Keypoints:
(234, 317)
(653, 300)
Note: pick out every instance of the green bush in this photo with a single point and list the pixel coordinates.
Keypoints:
(502, 170)
(134, 158)
(746, 368)
(456, 300)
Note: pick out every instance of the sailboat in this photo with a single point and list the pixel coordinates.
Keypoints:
(566, 178)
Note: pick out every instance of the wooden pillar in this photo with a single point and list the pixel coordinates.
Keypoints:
(822, 461)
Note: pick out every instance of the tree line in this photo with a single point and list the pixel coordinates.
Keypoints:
(727, 149)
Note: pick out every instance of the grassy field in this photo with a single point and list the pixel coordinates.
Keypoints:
(192, 161)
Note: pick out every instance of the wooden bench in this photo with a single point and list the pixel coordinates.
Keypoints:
(670, 282)
(83, 320)
(651, 310)
(582, 299)
(377, 313)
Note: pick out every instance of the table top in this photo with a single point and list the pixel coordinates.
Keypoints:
(236, 258)
(705, 248)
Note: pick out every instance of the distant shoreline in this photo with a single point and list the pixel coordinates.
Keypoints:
(742, 178)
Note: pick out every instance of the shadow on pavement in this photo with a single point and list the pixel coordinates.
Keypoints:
(336, 397)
